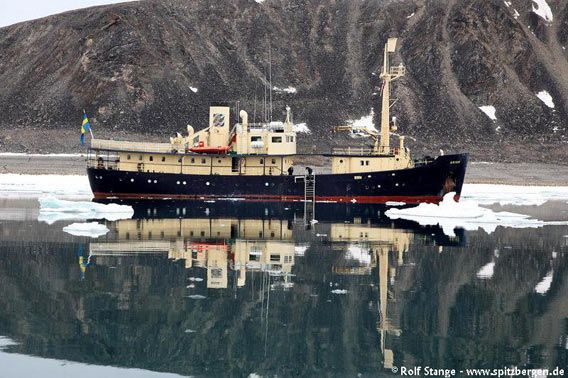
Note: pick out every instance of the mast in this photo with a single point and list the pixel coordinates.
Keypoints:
(387, 75)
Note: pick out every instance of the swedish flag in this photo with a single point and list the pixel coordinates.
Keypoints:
(85, 126)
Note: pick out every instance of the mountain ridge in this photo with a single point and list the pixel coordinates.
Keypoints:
(131, 66)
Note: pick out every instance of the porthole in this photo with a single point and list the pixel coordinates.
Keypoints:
(177, 182)
(155, 181)
(396, 184)
(163, 158)
(184, 183)
(341, 161)
(219, 161)
(393, 174)
(149, 181)
(207, 183)
(265, 184)
(131, 180)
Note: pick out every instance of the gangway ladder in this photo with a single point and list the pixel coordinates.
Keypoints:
(309, 197)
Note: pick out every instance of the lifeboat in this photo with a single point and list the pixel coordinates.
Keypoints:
(203, 149)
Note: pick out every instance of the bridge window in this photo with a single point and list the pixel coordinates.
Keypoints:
(203, 161)
(261, 161)
(139, 157)
(277, 139)
(273, 161)
(151, 158)
(192, 160)
(127, 157)
(255, 139)
(274, 257)
(163, 158)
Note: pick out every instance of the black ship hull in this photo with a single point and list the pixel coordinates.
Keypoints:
(424, 183)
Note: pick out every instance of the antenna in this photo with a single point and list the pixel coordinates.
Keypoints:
(270, 75)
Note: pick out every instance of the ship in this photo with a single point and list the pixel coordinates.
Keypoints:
(255, 162)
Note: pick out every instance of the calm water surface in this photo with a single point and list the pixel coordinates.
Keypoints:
(223, 289)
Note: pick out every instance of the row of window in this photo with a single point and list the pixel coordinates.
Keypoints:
(275, 139)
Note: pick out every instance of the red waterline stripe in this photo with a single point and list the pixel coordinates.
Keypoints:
(276, 198)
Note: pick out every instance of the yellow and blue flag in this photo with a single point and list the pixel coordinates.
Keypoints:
(85, 126)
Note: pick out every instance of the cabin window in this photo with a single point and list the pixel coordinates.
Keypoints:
(203, 161)
(255, 138)
(219, 161)
(274, 257)
(362, 162)
(273, 161)
(163, 158)
(341, 161)
(277, 139)
(367, 162)
(179, 160)
(261, 161)
(192, 160)
(151, 158)
(139, 157)
(127, 157)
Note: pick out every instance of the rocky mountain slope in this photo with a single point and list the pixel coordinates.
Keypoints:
(151, 67)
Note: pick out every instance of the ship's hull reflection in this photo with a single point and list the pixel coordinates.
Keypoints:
(293, 212)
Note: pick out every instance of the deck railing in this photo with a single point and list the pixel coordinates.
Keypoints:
(118, 145)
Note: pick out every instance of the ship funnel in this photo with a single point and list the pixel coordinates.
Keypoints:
(244, 117)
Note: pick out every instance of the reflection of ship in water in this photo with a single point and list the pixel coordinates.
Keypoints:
(218, 245)
(234, 239)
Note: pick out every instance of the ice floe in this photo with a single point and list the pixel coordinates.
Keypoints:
(339, 291)
(541, 8)
(487, 194)
(486, 271)
(544, 285)
(53, 209)
(489, 111)
(22, 365)
(302, 128)
(395, 203)
(466, 214)
(545, 97)
(90, 229)
(24, 154)
(26, 186)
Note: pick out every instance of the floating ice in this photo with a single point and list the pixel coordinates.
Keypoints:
(542, 8)
(395, 203)
(196, 296)
(190, 331)
(487, 194)
(21, 365)
(24, 154)
(339, 291)
(545, 97)
(90, 229)
(302, 128)
(486, 271)
(53, 209)
(195, 279)
(544, 285)
(25, 186)
(465, 214)
(489, 111)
